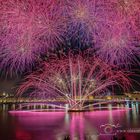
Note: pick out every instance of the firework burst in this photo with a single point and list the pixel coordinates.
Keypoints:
(125, 11)
(127, 8)
(119, 45)
(86, 20)
(73, 79)
(27, 30)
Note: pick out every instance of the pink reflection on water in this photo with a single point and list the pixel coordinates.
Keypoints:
(38, 125)
(98, 118)
(104, 118)
(22, 135)
(77, 126)
(38, 118)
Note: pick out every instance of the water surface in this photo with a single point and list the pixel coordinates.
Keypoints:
(122, 123)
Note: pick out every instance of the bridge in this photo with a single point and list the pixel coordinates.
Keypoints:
(64, 105)
(59, 103)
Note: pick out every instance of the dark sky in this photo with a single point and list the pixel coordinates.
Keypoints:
(8, 86)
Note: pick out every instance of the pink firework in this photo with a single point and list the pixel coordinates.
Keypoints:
(28, 29)
(119, 45)
(86, 20)
(74, 80)
(124, 10)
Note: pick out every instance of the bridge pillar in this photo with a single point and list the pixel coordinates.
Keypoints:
(47, 107)
(4, 106)
(54, 107)
(28, 107)
(20, 106)
(67, 107)
(13, 106)
(34, 106)
(41, 106)
(100, 106)
(91, 107)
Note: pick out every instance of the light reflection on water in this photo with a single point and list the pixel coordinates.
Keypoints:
(95, 125)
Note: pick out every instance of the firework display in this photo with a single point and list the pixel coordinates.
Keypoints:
(28, 29)
(73, 79)
(31, 31)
